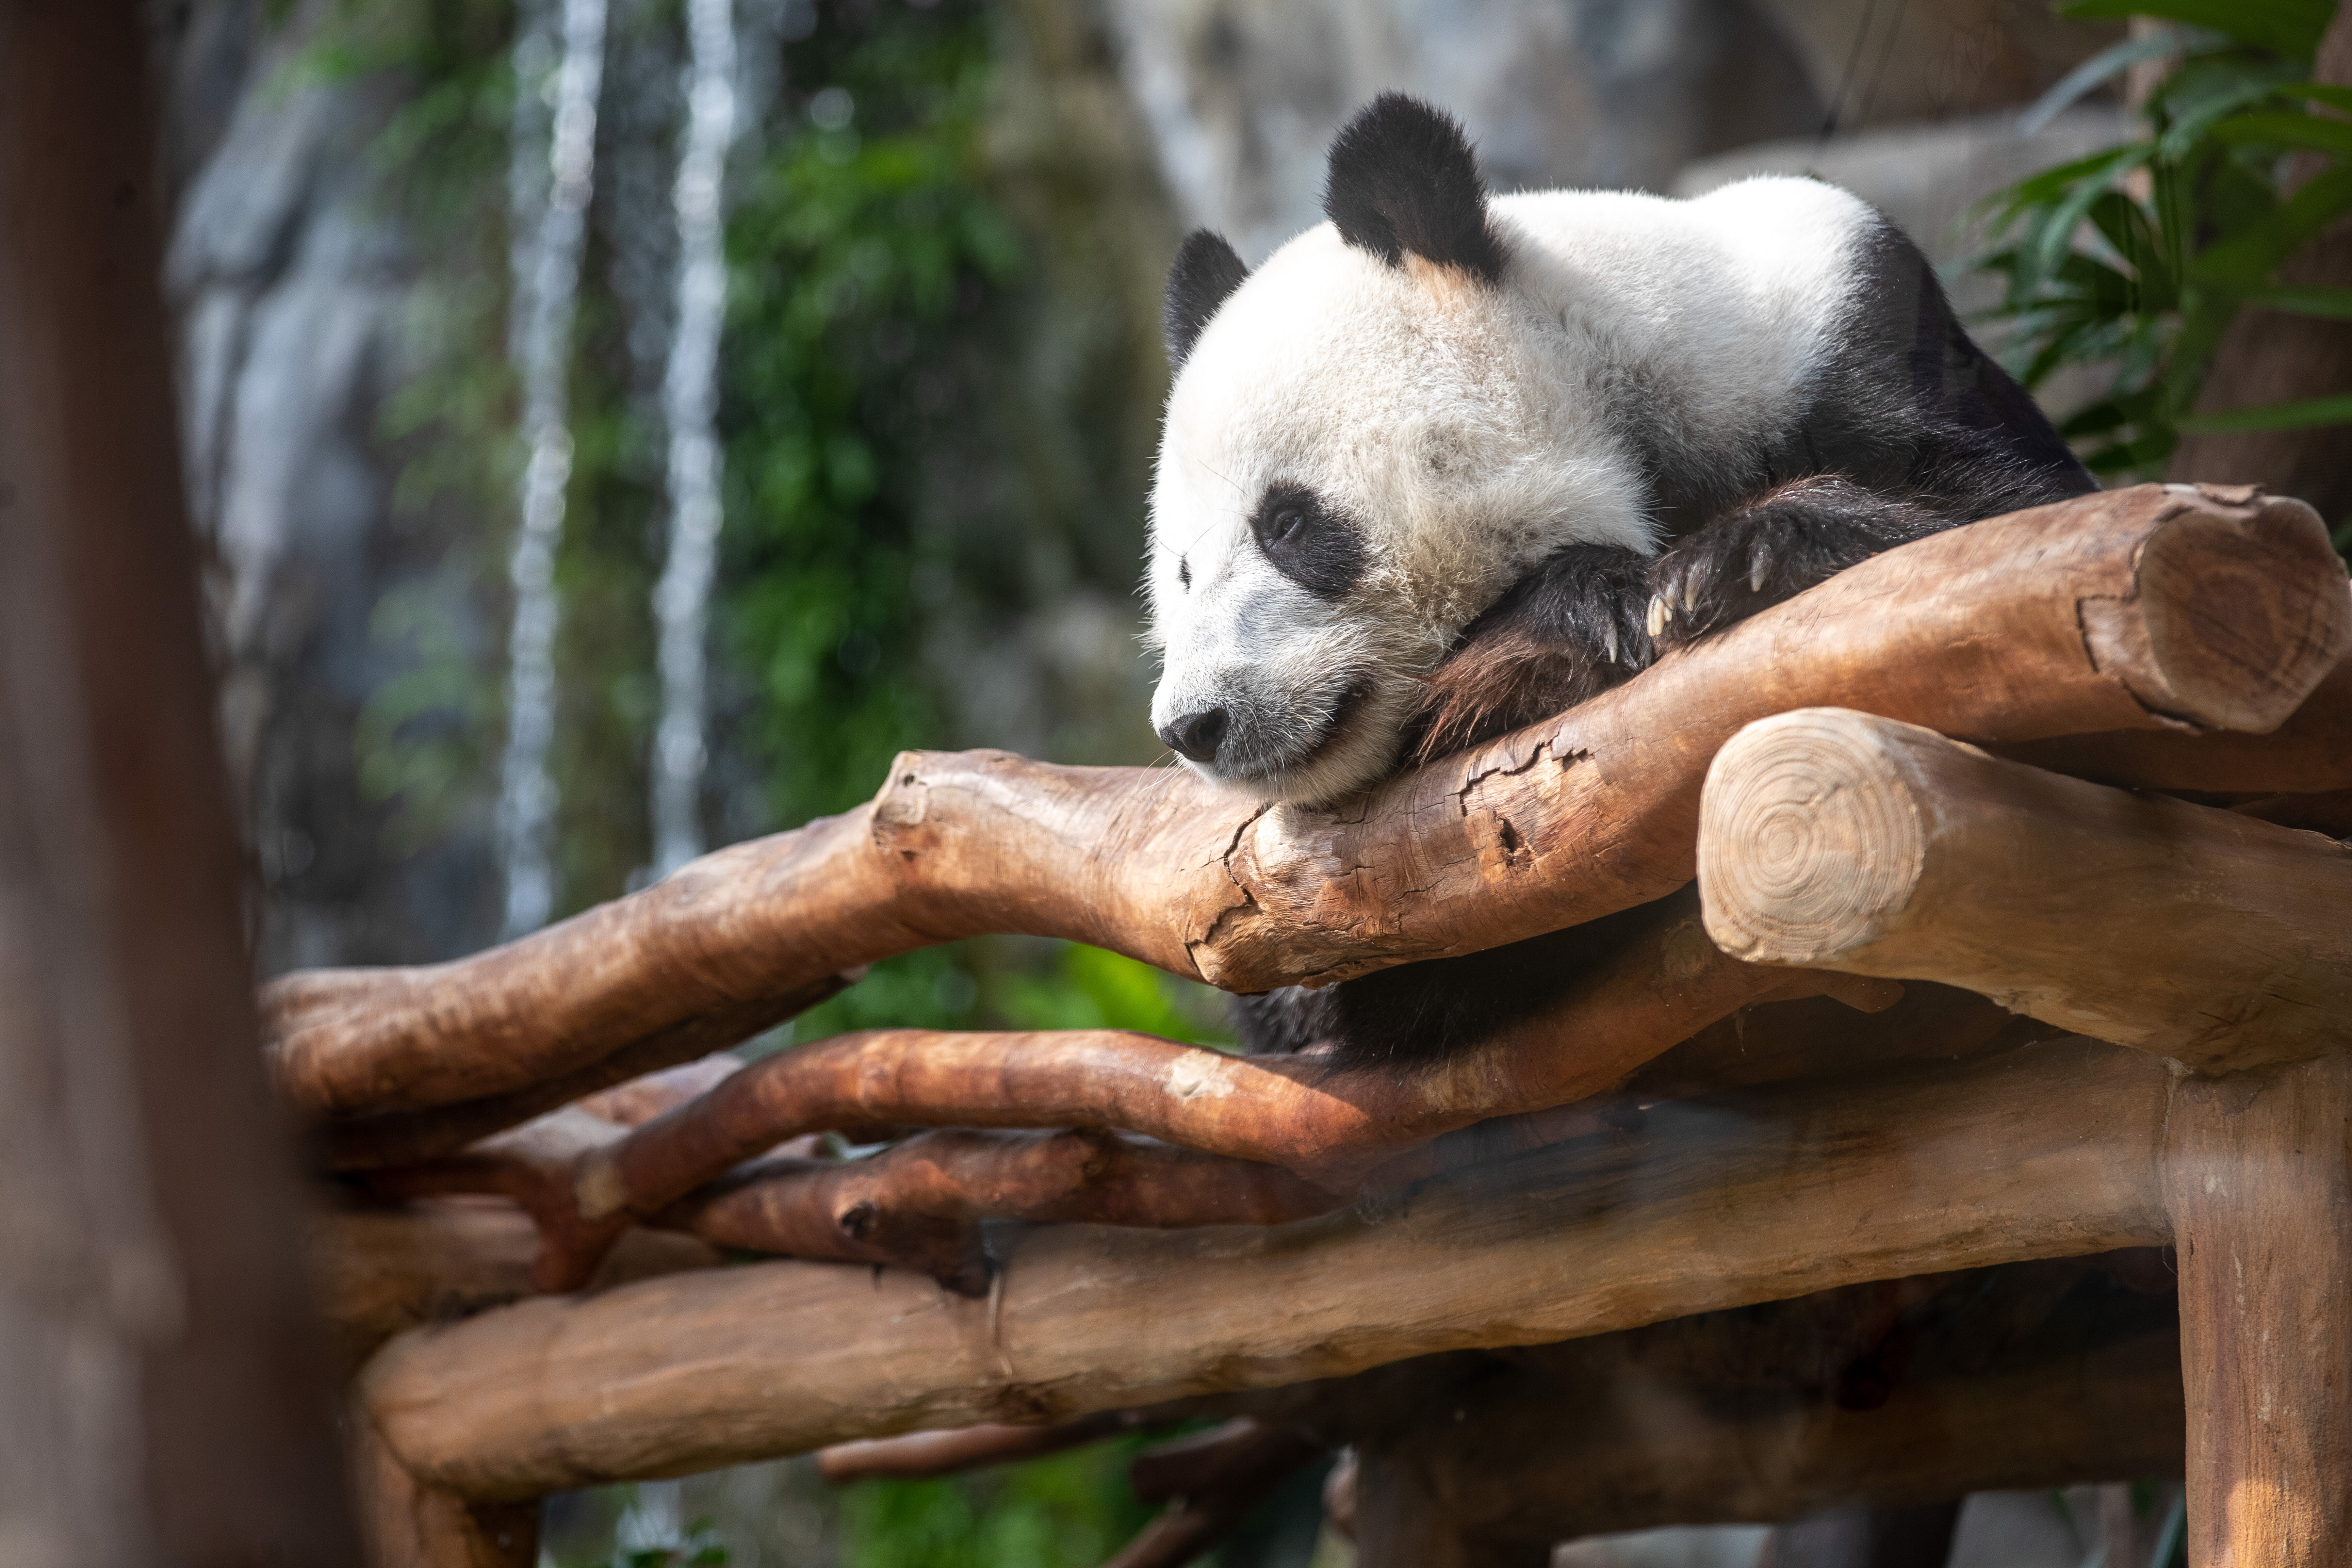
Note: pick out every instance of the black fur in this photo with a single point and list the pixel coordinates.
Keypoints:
(1309, 542)
(1568, 631)
(1774, 548)
(1204, 273)
(1401, 179)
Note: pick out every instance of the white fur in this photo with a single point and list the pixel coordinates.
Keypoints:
(1466, 428)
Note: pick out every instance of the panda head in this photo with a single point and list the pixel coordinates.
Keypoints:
(1370, 439)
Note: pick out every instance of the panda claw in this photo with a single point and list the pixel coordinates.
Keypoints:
(1660, 614)
(1759, 564)
(1612, 630)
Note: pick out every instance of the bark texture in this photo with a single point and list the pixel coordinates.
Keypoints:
(2258, 1176)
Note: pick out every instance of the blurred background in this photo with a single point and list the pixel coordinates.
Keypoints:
(618, 425)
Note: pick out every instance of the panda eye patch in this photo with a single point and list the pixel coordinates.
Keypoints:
(1313, 545)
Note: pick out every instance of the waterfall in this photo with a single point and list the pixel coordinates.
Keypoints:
(690, 399)
(549, 219)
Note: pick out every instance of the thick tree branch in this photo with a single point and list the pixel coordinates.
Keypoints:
(921, 1455)
(2141, 609)
(786, 1204)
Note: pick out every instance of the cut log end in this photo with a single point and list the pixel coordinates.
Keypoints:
(1808, 844)
(2241, 612)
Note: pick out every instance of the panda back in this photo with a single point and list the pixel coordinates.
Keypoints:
(1715, 319)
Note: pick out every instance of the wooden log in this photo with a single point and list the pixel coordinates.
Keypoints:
(2259, 1179)
(2310, 754)
(379, 1269)
(1838, 839)
(1334, 1131)
(2143, 608)
(1074, 1178)
(1709, 1204)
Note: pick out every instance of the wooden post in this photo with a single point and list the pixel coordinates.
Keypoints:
(163, 1393)
(2258, 1176)
(407, 1526)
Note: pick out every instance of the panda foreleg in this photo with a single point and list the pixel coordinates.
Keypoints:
(1773, 548)
(1569, 630)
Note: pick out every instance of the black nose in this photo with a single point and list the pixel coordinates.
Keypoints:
(1196, 735)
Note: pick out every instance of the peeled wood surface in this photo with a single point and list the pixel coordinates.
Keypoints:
(1837, 840)
(2259, 1181)
(2097, 615)
(1708, 1204)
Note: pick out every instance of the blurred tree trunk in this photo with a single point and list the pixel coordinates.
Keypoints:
(2272, 357)
(160, 1397)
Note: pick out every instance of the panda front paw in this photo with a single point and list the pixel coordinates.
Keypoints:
(1771, 550)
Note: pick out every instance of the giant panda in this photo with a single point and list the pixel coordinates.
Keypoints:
(1449, 463)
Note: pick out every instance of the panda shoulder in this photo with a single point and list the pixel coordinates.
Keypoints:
(1783, 202)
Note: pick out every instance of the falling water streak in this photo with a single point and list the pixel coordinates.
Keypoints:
(527, 798)
(689, 395)
(527, 133)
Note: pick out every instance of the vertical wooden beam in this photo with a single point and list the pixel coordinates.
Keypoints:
(162, 1383)
(407, 1526)
(2259, 1180)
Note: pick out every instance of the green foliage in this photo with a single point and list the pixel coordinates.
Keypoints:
(1069, 1511)
(865, 258)
(2137, 258)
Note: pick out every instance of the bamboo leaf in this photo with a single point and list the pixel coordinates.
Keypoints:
(2057, 231)
(2244, 264)
(2288, 131)
(2109, 62)
(2320, 92)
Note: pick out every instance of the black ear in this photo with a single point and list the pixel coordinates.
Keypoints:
(1206, 270)
(1401, 179)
